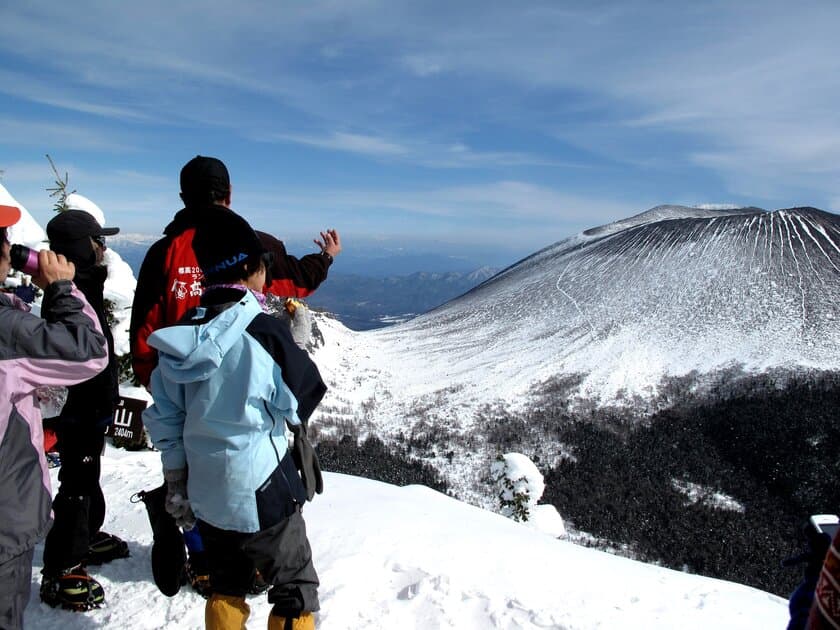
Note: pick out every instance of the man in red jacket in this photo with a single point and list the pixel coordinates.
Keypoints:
(169, 283)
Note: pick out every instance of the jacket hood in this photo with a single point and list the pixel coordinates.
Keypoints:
(191, 353)
(191, 216)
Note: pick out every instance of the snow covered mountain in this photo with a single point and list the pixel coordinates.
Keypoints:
(669, 291)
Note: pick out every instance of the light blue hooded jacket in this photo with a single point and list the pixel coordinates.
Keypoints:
(220, 407)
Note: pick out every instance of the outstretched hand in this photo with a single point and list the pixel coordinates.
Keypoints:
(331, 243)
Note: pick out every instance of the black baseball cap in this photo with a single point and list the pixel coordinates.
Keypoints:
(71, 225)
(203, 175)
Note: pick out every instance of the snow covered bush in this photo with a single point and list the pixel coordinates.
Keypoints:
(520, 485)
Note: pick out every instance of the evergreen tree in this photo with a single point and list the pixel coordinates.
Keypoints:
(59, 191)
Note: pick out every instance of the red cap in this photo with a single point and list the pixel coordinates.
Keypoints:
(9, 215)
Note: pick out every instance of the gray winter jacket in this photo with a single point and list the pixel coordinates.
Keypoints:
(64, 348)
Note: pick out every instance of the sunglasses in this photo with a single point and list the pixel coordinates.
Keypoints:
(99, 240)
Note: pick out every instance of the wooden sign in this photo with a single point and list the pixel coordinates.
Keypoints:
(128, 420)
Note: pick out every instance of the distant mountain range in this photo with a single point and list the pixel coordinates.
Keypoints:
(362, 302)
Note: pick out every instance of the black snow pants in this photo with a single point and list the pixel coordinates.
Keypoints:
(79, 505)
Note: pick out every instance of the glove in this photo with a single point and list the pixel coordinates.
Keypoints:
(177, 503)
(51, 398)
(301, 321)
(306, 461)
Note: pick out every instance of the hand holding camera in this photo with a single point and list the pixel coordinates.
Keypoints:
(24, 259)
(44, 266)
(53, 267)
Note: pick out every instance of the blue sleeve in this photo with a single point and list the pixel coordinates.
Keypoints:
(164, 420)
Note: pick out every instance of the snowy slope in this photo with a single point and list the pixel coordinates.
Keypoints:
(408, 558)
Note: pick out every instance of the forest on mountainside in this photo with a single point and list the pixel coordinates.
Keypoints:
(768, 442)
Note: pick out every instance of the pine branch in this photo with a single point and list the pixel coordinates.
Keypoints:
(60, 189)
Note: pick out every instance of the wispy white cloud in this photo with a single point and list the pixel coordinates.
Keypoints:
(423, 65)
(340, 141)
(47, 136)
(461, 156)
(493, 206)
(23, 173)
(451, 156)
(42, 91)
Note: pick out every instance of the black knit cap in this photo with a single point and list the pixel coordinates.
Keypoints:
(223, 245)
(204, 180)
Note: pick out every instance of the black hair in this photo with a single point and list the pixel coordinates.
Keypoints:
(219, 195)
(3, 234)
(208, 197)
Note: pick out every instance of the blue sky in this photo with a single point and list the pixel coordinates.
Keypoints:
(491, 126)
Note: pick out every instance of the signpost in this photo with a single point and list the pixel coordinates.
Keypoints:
(127, 425)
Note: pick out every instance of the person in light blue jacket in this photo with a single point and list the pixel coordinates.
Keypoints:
(229, 381)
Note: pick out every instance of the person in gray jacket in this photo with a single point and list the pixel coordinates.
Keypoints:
(229, 380)
(63, 347)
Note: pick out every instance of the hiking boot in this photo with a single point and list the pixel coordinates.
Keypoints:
(106, 547)
(72, 589)
(200, 582)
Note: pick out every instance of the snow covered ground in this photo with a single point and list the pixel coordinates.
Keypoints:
(402, 558)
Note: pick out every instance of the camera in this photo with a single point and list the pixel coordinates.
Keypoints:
(24, 259)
